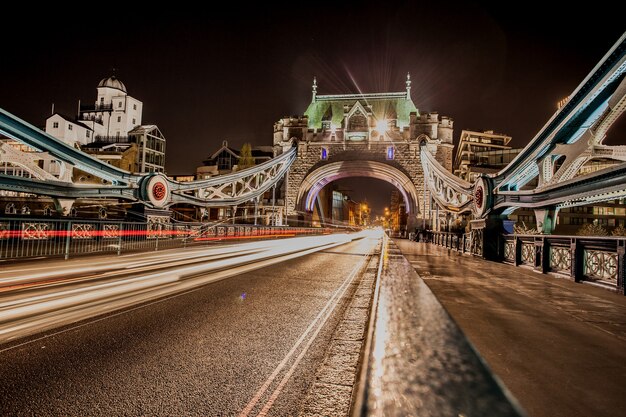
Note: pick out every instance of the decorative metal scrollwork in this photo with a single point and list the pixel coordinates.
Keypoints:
(82, 231)
(477, 242)
(528, 253)
(5, 230)
(509, 251)
(36, 231)
(450, 192)
(601, 265)
(560, 259)
(110, 231)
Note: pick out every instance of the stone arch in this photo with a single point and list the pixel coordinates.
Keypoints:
(325, 174)
(422, 139)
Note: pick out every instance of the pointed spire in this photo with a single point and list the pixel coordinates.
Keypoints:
(314, 88)
(408, 85)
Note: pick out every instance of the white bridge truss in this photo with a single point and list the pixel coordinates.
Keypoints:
(154, 190)
(236, 188)
(570, 139)
(449, 191)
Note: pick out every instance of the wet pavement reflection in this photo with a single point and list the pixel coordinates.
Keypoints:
(559, 346)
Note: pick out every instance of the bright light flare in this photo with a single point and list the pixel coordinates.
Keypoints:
(382, 126)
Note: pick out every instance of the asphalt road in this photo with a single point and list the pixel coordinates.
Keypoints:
(231, 347)
(559, 346)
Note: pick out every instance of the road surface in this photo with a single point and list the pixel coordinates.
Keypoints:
(239, 346)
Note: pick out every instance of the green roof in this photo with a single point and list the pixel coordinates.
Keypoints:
(383, 106)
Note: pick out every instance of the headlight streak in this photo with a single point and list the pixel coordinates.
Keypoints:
(51, 305)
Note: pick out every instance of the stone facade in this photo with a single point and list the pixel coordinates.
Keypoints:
(384, 129)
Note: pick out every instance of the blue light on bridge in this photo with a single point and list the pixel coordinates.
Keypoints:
(324, 154)
(390, 152)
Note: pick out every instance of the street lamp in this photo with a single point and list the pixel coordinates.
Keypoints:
(363, 211)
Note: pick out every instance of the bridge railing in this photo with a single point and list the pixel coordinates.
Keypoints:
(461, 242)
(582, 258)
(44, 237)
(599, 260)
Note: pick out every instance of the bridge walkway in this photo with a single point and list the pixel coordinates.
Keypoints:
(559, 346)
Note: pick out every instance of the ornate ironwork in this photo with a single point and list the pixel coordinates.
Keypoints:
(83, 231)
(509, 251)
(601, 265)
(5, 230)
(528, 253)
(450, 192)
(159, 226)
(36, 231)
(110, 231)
(468, 242)
(560, 259)
(478, 197)
(477, 242)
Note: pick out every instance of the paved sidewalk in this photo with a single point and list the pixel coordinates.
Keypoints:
(559, 346)
(419, 363)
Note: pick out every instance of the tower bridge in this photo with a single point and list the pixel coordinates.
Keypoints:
(374, 135)
(377, 135)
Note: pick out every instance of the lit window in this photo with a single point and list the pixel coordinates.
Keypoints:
(55, 125)
(70, 127)
(119, 119)
(390, 152)
(324, 154)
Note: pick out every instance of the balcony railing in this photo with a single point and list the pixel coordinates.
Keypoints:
(96, 107)
(112, 139)
(96, 119)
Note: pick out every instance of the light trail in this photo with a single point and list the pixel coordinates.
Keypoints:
(39, 300)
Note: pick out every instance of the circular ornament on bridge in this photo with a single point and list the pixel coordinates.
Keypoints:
(481, 193)
(157, 190)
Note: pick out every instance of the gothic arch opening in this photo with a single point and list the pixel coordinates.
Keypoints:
(317, 179)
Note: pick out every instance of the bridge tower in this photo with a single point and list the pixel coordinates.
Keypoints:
(375, 135)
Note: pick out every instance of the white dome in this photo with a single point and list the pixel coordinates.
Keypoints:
(112, 82)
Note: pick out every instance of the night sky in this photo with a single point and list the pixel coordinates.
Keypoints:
(204, 78)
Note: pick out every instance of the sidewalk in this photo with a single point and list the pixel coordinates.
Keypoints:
(419, 363)
(559, 346)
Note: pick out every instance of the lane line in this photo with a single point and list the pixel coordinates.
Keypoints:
(283, 382)
(324, 315)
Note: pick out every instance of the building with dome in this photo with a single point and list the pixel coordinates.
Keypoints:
(111, 129)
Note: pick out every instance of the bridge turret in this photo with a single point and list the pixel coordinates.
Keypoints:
(445, 129)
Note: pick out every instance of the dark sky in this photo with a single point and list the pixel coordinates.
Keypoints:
(206, 77)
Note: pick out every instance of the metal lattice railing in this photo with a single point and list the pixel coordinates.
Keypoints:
(601, 265)
(528, 253)
(509, 251)
(560, 259)
(30, 238)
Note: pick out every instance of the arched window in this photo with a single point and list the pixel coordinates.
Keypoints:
(102, 213)
(10, 209)
(25, 210)
(47, 211)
